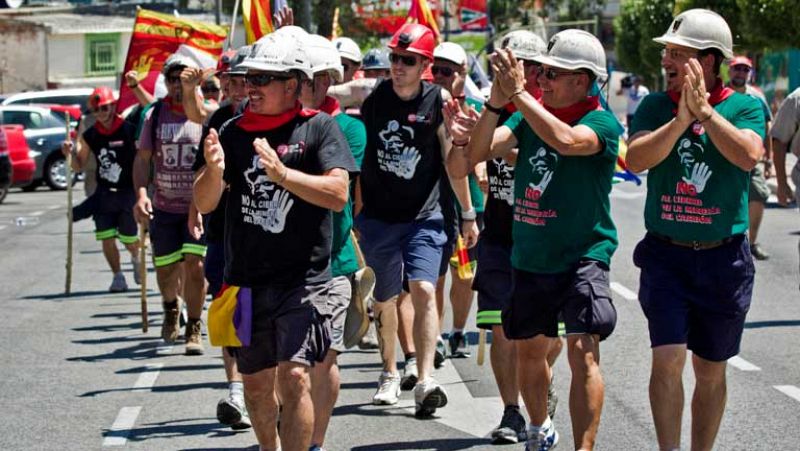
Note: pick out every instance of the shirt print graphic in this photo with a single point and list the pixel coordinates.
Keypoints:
(109, 169)
(685, 206)
(543, 164)
(267, 205)
(528, 209)
(396, 154)
(501, 186)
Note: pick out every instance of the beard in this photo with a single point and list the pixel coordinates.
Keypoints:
(738, 82)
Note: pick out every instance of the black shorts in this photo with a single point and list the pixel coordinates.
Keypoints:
(169, 233)
(113, 215)
(492, 282)
(697, 298)
(289, 325)
(581, 298)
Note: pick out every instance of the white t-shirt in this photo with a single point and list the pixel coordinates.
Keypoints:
(635, 97)
(786, 126)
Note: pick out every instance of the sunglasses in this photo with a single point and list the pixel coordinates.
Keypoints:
(210, 89)
(102, 108)
(445, 71)
(172, 79)
(264, 79)
(678, 54)
(407, 60)
(551, 74)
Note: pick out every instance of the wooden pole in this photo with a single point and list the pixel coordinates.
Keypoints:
(143, 273)
(68, 283)
(481, 346)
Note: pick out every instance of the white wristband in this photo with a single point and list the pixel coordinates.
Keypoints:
(469, 215)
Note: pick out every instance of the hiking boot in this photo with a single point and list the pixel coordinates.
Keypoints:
(541, 439)
(758, 252)
(458, 346)
(118, 284)
(170, 328)
(410, 375)
(428, 396)
(440, 355)
(552, 398)
(232, 412)
(137, 273)
(194, 338)
(388, 389)
(511, 427)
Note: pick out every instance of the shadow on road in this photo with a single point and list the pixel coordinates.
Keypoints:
(777, 323)
(175, 428)
(160, 389)
(439, 445)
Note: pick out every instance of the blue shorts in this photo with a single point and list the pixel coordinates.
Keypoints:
(697, 298)
(411, 250)
(581, 298)
(113, 215)
(492, 282)
(169, 233)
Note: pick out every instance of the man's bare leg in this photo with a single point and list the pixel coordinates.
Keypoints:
(297, 414)
(324, 393)
(708, 402)
(503, 355)
(426, 325)
(386, 323)
(405, 319)
(111, 253)
(533, 375)
(586, 389)
(666, 394)
(262, 404)
(194, 285)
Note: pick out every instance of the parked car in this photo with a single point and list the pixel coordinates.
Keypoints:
(44, 131)
(23, 164)
(73, 96)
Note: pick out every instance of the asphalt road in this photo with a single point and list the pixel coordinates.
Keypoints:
(77, 372)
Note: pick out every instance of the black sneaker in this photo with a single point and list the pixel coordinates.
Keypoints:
(458, 346)
(758, 252)
(511, 427)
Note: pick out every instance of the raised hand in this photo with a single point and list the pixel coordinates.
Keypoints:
(213, 152)
(460, 121)
(191, 77)
(283, 17)
(509, 72)
(273, 166)
(695, 87)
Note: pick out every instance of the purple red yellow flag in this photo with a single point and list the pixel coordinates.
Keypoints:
(420, 12)
(155, 37)
(257, 18)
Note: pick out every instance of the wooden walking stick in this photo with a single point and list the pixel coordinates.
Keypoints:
(143, 273)
(481, 346)
(68, 284)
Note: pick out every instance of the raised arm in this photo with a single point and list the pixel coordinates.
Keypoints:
(209, 183)
(353, 92)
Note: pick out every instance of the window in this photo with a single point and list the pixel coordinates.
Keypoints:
(27, 119)
(102, 53)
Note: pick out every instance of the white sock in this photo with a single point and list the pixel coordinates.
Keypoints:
(236, 389)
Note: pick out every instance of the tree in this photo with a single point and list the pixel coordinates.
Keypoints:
(638, 23)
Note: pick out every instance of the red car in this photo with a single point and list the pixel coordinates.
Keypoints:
(23, 166)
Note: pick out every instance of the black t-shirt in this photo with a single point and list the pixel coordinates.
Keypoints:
(273, 237)
(402, 164)
(498, 213)
(447, 202)
(215, 227)
(115, 154)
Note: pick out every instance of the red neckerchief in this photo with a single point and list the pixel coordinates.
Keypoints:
(717, 95)
(254, 122)
(536, 93)
(573, 113)
(174, 107)
(115, 125)
(331, 106)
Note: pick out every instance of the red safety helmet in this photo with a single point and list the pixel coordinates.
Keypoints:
(741, 60)
(225, 60)
(102, 95)
(414, 38)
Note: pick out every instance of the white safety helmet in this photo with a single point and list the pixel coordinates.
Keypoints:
(323, 57)
(278, 52)
(524, 44)
(699, 29)
(575, 49)
(177, 60)
(292, 30)
(450, 51)
(348, 49)
(235, 64)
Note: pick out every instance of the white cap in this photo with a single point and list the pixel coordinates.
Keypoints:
(323, 57)
(178, 60)
(348, 49)
(524, 44)
(278, 52)
(699, 29)
(452, 52)
(575, 49)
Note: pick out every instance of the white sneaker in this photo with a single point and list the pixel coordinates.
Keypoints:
(428, 396)
(388, 389)
(137, 274)
(541, 438)
(410, 375)
(118, 284)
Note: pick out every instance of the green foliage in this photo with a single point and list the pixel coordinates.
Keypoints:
(638, 23)
(773, 24)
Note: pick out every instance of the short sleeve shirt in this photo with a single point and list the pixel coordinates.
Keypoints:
(272, 236)
(786, 126)
(115, 154)
(696, 194)
(173, 154)
(343, 252)
(562, 212)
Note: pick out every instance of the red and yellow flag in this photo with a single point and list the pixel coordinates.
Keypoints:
(257, 18)
(420, 12)
(155, 37)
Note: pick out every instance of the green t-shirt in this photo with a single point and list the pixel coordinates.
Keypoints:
(562, 213)
(696, 193)
(343, 253)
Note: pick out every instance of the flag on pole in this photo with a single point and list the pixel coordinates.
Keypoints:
(257, 19)
(155, 37)
(420, 12)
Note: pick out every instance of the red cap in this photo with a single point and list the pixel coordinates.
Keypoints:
(102, 95)
(414, 38)
(225, 60)
(741, 60)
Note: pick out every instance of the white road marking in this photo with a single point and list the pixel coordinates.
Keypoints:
(37, 213)
(53, 207)
(2, 227)
(789, 390)
(117, 435)
(148, 378)
(742, 364)
(623, 291)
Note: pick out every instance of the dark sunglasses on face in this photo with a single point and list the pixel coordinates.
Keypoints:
(210, 89)
(407, 60)
(102, 108)
(551, 74)
(445, 71)
(173, 79)
(263, 79)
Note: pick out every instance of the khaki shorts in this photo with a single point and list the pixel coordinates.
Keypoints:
(759, 190)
